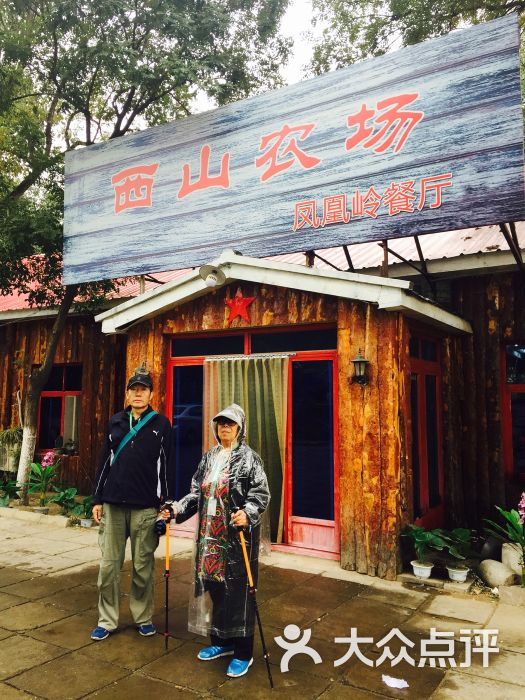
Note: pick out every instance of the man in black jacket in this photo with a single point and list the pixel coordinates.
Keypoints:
(132, 481)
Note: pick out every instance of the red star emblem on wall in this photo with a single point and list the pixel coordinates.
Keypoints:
(238, 306)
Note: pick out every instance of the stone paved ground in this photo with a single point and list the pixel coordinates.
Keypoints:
(48, 607)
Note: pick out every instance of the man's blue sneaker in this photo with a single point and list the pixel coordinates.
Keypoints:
(238, 667)
(214, 652)
(99, 633)
(147, 630)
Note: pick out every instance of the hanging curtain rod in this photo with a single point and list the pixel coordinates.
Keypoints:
(253, 356)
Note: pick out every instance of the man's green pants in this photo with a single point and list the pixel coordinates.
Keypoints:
(116, 526)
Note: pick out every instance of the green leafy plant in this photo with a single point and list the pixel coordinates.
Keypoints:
(8, 490)
(513, 530)
(42, 476)
(460, 542)
(66, 500)
(425, 540)
(87, 507)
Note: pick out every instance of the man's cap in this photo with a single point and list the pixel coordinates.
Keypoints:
(141, 376)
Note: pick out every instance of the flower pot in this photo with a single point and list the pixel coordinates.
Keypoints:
(458, 573)
(422, 569)
(86, 522)
(44, 510)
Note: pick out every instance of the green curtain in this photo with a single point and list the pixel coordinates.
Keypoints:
(260, 386)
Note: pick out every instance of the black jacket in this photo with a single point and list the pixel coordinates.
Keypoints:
(141, 475)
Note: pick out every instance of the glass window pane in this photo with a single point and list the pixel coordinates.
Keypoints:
(295, 340)
(49, 424)
(429, 350)
(220, 345)
(434, 495)
(515, 364)
(73, 377)
(312, 440)
(518, 432)
(413, 345)
(416, 467)
(56, 379)
(187, 424)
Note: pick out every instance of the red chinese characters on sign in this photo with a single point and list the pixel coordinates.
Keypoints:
(276, 159)
(133, 187)
(397, 198)
(395, 124)
(205, 180)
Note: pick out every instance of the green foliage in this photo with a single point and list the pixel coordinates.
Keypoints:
(8, 490)
(66, 500)
(513, 530)
(460, 542)
(41, 480)
(77, 72)
(11, 437)
(358, 29)
(87, 507)
(424, 540)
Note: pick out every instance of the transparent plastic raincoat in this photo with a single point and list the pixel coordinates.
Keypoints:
(220, 603)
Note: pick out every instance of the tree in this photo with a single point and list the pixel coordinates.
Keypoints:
(74, 72)
(358, 29)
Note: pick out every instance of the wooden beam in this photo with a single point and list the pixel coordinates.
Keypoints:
(514, 249)
(327, 261)
(348, 259)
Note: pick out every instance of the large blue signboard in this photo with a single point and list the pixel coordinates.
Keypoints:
(429, 138)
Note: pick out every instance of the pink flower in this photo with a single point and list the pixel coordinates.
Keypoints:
(48, 459)
(521, 508)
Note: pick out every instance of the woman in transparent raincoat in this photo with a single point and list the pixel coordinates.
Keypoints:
(228, 490)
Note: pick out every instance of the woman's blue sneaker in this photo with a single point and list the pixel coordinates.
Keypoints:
(99, 633)
(147, 630)
(214, 652)
(238, 667)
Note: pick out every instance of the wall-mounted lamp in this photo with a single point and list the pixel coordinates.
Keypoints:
(360, 369)
(212, 276)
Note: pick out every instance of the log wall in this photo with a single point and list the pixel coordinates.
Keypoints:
(473, 454)
(23, 345)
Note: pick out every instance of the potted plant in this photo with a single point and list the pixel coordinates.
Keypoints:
(87, 512)
(41, 478)
(459, 548)
(66, 500)
(424, 540)
(514, 530)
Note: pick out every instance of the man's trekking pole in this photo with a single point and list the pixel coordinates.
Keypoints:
(252, 590)
(163, 527)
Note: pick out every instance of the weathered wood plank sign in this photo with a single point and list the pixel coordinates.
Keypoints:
(429, 138)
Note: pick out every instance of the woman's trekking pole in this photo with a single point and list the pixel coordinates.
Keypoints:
(253, 590)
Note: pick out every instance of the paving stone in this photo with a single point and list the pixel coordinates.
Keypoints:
(339, 691)
(331, 592)
(128, 649)
(463, 686)
(423, 623)
(74, 599)
(7, 692)
(395, 593)
(506, 666)
(282, 611)
(29, 616)
(69, 677)
(18, 653)
(38, 587)
(181, 666)
(369, 616)
(469, 609)
(10, 575)
(40, 545)
(8, 601)
(50, 564)
(255, 684)
(70, 633)
(422, 681)
(510, 621)
(138, 686)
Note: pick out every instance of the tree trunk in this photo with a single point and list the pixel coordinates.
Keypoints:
(37, 381)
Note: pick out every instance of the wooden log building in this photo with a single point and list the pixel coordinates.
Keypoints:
(435, 434)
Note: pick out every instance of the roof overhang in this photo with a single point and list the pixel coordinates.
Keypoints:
(387, 294)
